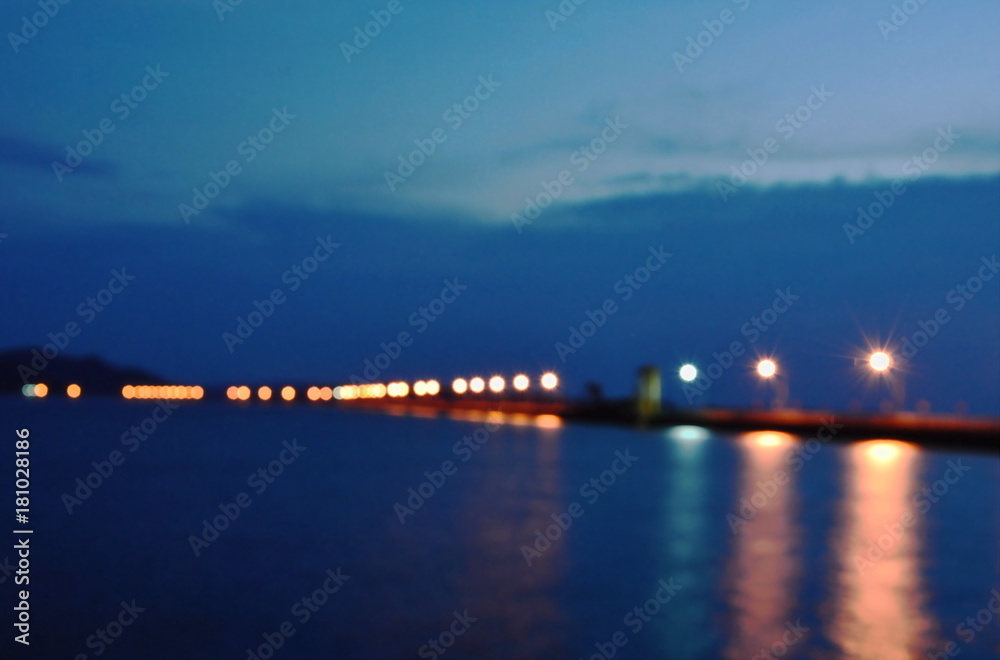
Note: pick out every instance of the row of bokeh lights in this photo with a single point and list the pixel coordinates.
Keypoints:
(182, 392)
(73, 391)
(41, 390)
(879, 361)
(399, 389)
(264, 393)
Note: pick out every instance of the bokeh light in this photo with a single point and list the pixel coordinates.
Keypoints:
(880, 361)
(767, 368)
(688, 373)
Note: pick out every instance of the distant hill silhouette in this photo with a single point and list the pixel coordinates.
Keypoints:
(96, 376)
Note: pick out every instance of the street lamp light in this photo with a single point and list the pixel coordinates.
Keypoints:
(880, 361)
(883, 365)
(767, 368)
(688, 373)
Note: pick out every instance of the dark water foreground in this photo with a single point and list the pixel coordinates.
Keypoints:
(523, 542)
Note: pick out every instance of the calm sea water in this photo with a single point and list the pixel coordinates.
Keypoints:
(845, 557)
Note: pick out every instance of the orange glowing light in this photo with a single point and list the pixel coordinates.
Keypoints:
(288, 393)
(264, 393)
(128, 392)
(433, 387)
(496, 384)
(767, 368)
(459, 386)
(521, 382)
(243, 393)
(420, 388)
(880, 361)
(477, 384)
(550, 381)
(884, 451)
(197, 392)
(548, 421)
(768, 438)
(41, 389)
(313, 393)
(325, 393)
(73, 390)
(402, 389)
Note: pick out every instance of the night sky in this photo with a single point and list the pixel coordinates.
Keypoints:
(211, 156)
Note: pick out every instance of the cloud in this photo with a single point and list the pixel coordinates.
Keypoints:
(31, 155)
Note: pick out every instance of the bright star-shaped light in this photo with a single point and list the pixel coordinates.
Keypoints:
(766, 368)
(880, 361)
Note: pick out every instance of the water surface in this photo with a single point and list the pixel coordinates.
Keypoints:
(833, 552)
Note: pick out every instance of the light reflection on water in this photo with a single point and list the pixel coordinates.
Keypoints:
(879, 599)
(665, 518)
(764, 565)
(686, 521)
(497, 585)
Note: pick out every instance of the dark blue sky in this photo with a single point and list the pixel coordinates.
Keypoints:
(833, 105)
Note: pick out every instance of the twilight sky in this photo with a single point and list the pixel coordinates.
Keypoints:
(644, 126)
